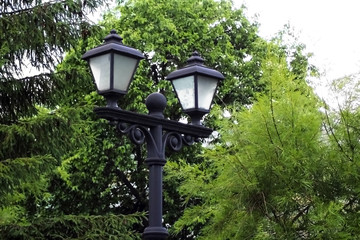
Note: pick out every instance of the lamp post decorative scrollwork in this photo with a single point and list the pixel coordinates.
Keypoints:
(113, 66)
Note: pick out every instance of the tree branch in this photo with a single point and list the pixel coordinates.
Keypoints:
(330, 132)
(351, 146)
(30, 9)
(273, 119)
(301, 213)
(127, 183)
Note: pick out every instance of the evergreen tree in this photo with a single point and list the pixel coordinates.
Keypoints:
(34, 132)
(36, 34)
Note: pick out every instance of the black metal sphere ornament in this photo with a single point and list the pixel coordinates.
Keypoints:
(113, 66)
(156, 104)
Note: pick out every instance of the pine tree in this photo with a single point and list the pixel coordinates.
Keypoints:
(34, 132)
(36, 34)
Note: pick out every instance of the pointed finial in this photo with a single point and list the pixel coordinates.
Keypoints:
(195, 59)
(113, 37)
(195, 53)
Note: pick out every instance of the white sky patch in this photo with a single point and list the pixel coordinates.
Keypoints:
(329, 28)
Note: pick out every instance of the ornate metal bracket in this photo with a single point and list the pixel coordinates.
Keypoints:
(139, 135)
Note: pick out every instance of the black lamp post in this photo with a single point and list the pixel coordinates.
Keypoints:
(113, 66)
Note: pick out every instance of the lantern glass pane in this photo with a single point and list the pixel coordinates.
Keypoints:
(206, 90)
(100, 68)
(185, 91)
(124, 68)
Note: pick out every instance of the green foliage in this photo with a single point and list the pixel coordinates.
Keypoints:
(25, 161)
(169, 31)
(23, 184)
(37, 130)
(36, 30)
(294, 52)
(264, 180)
(281, 170)
(74, 227)
(27, 137)
(67, 174)
(36, 34)
(341, 126)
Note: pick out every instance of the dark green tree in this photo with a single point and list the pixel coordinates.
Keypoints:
(35, 35)
(35, 133)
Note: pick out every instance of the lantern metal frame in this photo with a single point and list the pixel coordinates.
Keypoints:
(195, 67)
(113, 45)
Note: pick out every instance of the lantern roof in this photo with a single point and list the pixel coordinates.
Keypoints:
(113, 43)
(195, 65)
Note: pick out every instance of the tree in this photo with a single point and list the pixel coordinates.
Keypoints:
(35, 133)
(342, 129)
(260, 179)
(36, 34)
(276, 174)
(168, 32)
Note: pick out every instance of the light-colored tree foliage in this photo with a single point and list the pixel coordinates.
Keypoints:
(276, 174)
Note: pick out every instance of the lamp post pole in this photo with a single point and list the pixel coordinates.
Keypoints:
(155, 161)
(113, 66)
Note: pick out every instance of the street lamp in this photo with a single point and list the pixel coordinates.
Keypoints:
(113, 66)
(195, 86)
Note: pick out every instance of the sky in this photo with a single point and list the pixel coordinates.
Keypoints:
(329, 29)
